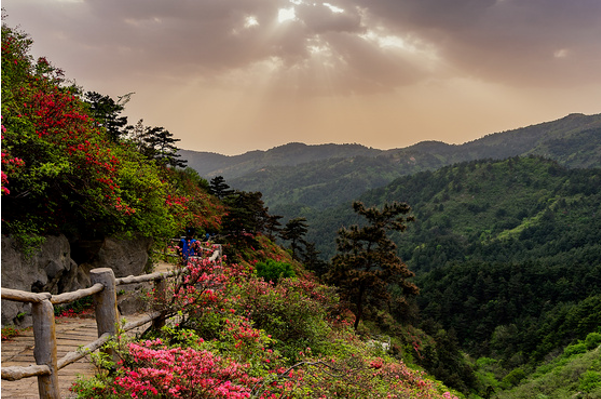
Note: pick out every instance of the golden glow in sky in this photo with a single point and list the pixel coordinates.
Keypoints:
(232, 76)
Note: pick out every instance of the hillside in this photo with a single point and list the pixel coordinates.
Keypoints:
(484, 210)
(212, 164)
(507, 253)
(298, 176)
(243, 330)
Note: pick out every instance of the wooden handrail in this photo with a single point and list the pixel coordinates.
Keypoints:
(75, 295)
(145, 277)
(107, 317)
(14, 373)
(72, 357)
(24, 296)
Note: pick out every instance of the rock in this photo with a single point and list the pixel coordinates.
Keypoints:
(59, 266)
(133, 298)
(125, 257)
(42, 271)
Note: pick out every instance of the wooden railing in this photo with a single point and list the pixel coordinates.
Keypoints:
(104, 290)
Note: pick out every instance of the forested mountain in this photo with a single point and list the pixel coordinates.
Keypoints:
(212, 164)
(296, 176)
(507, 253)
(516, 209)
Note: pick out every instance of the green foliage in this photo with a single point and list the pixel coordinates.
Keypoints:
(295, 313)
(592, 341)
(294, 231)
(74, 308)
(158, 144)
(219, 188)
(270, 270)
(575, 349)
(105, 112)
(575, 376)
(67, 168)
(514, 377)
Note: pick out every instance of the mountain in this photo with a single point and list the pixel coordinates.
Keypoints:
(297, 176)
(507, 254)
(210, 164)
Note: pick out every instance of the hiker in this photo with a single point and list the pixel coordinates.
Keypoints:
(188, 246)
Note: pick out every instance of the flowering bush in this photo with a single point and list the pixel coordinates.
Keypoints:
(10, 332)
(61, 173)
(238, 336)
(181, 373)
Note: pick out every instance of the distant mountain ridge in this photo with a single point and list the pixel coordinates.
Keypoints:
(211, 164)
(574, 141)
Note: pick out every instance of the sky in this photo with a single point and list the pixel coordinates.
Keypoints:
(231, 76)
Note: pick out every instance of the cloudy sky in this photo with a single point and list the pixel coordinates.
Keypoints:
(231, 76)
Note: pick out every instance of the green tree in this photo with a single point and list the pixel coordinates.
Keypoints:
(272, 225)
(294, 231)
(366, 263)
(106, 113)
(159, 144)
(219, 188)
(312, 261)
(245, 216)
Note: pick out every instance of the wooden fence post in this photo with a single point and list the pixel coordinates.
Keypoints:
(159, 302)
(44, 332)
(105, 301)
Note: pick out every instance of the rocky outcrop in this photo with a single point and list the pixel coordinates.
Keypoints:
(53, 267)
(125, 257)
(49, 269)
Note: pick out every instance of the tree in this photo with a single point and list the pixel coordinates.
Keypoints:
(106, 113)
(272, 225)
(219, 188)
(245, 216)
(312, 261)
(159, 144)
(367, 262)
(294, 232)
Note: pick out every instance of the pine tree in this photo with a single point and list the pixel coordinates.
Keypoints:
(219, 188)
(366, 263)
(106, 113)
(159, 144)
(294, 232)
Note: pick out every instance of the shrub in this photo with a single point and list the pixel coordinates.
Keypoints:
(592, 341)
(9, 332)
(295, 312)
(574, 349)
(514, 377)
(590, 381)
(270, 270)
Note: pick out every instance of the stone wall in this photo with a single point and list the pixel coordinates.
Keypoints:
(53, 269)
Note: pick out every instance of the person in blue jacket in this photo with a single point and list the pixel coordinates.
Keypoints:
(187, 246)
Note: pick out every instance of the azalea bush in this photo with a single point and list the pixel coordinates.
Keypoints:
(10, 332)
(237, 336)
(61, 172)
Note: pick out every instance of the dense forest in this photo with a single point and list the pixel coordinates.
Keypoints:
(507, 254)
